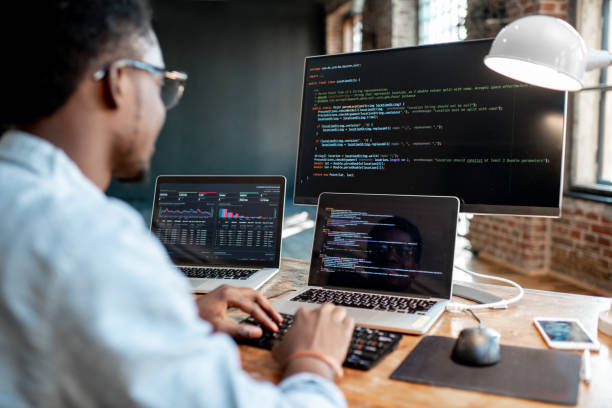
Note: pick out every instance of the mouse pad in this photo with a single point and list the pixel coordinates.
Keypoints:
(537, 374)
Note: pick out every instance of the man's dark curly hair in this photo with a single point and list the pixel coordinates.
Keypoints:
(49, 45)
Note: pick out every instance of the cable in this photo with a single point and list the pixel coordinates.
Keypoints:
(475, 317)
(460, 307)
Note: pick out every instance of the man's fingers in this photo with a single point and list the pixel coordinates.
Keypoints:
(258, 313)
(267, 307)
(238, 330)
(338, 314)
(251, 302)
(251, 307)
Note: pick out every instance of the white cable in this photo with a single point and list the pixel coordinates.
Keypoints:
(459, 307)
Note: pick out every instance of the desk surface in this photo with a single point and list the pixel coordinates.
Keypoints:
(374, 388)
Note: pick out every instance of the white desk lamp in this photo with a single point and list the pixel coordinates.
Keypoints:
(547, 52)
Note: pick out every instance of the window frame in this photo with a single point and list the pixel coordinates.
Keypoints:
(600, 190)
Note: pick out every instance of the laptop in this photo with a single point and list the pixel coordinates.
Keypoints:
(221, 229)
(387, 258)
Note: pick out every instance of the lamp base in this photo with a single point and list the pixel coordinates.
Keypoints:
(605, 322)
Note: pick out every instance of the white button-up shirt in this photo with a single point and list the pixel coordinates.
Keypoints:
(92, 312)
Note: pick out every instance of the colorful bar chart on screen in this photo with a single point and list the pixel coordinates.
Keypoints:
(225, 213)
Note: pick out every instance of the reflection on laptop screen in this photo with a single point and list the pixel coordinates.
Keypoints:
(394, 244)
(219, 223)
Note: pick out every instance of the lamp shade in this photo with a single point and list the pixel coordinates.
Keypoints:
(542, 51)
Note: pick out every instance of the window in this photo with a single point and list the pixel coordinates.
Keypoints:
(352, 33)
(591, 144)
(604, 142)
(441, 20)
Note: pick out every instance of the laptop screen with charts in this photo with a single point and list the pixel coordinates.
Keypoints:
(221, 229)
(387, 258)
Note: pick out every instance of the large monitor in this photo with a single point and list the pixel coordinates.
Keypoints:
(430, 120)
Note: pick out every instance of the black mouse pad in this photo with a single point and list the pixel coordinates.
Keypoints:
(537, 374)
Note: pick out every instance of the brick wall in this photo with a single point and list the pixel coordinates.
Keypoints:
(377, 24)
(486, 17)
(386, 23)
(334, 21)
(577, 246)
(581, 242)
(518, 241)
(555, 8)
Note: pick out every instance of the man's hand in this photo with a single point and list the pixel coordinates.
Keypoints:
(326, 330)
(213, 307)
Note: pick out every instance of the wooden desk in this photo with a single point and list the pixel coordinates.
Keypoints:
(374, 388)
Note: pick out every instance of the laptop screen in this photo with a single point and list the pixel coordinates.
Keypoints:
(220, 220)
(385, 243)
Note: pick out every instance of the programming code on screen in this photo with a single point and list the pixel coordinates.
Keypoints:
(230, 221)
(397, 244)
(429, 120)
(369, 244)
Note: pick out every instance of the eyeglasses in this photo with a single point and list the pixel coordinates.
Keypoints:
(407, 249)
(172, 85)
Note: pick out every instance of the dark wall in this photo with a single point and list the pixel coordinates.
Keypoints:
(240, 111)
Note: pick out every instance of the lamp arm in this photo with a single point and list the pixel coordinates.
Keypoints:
(600, 87)
(598, 59)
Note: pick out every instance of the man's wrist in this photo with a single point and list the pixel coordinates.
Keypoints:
(311, 365)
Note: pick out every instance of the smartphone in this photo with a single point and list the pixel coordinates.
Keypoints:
(568, 334)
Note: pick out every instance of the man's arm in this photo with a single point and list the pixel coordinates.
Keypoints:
(127, 333)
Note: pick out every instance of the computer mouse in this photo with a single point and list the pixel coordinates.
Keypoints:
(477, 346)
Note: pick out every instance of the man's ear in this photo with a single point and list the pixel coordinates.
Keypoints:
(115, 86)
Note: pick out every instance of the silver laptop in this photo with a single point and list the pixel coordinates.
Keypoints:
(221, 229)
(387, 258)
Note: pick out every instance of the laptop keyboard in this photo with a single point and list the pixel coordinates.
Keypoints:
(367, 348)
(217, 273)
(366, 301)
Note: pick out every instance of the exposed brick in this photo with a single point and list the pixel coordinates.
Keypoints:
(592, 216)
(540, 228)
(603, 241)
(587, 249)
(562, 241)
(582, 225)
(607, 252)
(576, 234)
(606, 220)
(590, 238)
(547, 7)
(602, 229)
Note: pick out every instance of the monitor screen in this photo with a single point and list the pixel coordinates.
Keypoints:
(430, 120)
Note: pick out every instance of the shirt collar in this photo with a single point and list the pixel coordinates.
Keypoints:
(39, 156)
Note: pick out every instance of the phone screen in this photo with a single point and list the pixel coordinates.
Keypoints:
(563, 330)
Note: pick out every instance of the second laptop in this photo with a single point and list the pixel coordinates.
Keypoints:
(221, 229)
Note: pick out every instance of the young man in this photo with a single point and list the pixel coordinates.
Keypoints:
(92, 313)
